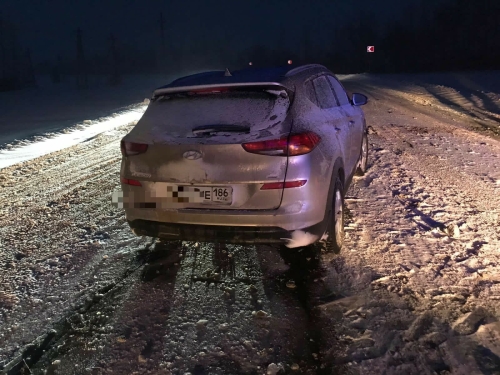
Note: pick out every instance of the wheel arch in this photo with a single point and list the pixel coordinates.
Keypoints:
(337, 172)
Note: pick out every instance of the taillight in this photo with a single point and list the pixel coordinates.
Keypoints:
(132, 148)
(300, 144)
(276, 147)
(281, 185)
(295, 144)
(128, 181)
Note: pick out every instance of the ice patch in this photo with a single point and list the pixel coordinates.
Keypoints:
(301, 238)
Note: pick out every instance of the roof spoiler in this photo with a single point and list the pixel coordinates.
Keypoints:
(171, 90)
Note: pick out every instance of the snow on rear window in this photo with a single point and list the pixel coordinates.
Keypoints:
(177, 115)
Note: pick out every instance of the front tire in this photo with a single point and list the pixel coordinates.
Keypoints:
(335, 230)
(363, 157)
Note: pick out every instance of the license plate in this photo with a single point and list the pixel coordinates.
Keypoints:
(200, 194)
(215, 194)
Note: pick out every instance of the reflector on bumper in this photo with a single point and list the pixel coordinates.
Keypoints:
(285, 185)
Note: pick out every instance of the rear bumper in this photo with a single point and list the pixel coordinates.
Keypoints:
(295, 215)
(220, 233)
(302, 209)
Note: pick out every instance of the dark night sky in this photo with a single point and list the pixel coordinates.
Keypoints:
(48, 27)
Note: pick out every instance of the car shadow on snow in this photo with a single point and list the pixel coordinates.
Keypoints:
(171, 282)
(293, 283)
(327, 316)
(134, 341)
(117, 321)
(137, 343)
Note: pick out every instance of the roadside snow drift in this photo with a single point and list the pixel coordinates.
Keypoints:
(57, 142)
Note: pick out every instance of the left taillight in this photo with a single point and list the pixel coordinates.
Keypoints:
(132, 148)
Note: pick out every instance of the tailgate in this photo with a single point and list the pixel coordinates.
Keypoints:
(195, 155)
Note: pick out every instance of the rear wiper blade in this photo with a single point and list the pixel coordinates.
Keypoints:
(207, 129)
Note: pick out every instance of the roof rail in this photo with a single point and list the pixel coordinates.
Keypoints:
(303, 68)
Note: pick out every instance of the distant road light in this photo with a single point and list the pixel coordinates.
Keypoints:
(250, 63)
(289, 62)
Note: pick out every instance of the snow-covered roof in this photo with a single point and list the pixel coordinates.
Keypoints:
(279, 75)
(304, 68)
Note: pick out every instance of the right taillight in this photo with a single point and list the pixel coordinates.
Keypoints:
(132, 148)
(295, 144)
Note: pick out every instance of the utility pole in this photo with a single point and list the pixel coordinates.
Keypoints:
(306, 46)
(56, 73)
(162, 32)
(31, 80)
(283, 53)
(115, 78)
(2, 49)
(60, 67)
(163, 48)
(81, 74)
(15, 59)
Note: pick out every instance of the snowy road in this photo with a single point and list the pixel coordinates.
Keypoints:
(421, 268)
(416, 289)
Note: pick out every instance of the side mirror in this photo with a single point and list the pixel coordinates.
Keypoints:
(359, 99)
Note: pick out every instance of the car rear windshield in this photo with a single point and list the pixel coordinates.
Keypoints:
(256, 109)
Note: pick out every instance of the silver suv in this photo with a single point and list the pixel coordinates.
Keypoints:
(250, 156)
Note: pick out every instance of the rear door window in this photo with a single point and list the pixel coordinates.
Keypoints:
(311, 94)
(340, 93)
(324, 93)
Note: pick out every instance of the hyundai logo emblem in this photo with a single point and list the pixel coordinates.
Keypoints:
(192, 155)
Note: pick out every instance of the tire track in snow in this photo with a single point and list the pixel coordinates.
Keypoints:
(198, 308)
(214, 309)
(71, 174)
(406, 94)
(54, 234)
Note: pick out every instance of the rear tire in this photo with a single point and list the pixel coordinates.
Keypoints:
(363, 157)
(335, 229)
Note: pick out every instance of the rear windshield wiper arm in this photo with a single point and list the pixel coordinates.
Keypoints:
(207, 129)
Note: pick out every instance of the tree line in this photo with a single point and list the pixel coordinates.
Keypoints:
(457, 35)
(16, 69)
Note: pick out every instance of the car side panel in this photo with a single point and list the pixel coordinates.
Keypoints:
(317, 166)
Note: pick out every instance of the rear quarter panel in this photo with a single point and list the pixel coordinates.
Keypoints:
(317, 166)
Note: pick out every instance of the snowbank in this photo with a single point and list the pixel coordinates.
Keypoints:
(80, 133)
